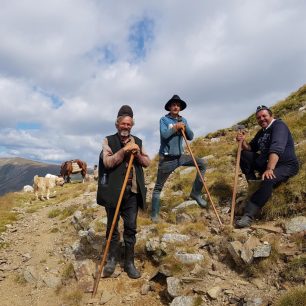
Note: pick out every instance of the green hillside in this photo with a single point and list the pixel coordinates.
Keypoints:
(289, 198)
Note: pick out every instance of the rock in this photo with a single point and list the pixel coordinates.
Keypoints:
(263, 250)
(214, 292)
(174, 286)
(30, 274)
(184, 205)
(295, 225)
(173, 238)
(208, 157)
(268, 228)
(183, 218)
(52, 281)
(183, 301)
(83, 268)
(258, 283)
(215, 139)
(177, 193)
(187, 258)
(247, 255)
(235, 248)
(153, 244)
(145, 289)
(252, 243)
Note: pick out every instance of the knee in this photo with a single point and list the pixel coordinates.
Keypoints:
(201, 164)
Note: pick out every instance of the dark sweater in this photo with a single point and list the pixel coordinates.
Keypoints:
(276, 139)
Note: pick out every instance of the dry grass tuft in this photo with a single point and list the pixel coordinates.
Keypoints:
(293, 297)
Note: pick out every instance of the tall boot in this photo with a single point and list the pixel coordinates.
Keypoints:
(155, 208)
(129, 266)
(196, 192)
(111, 262)
(250, 212)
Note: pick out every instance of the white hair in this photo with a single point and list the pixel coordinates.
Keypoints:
(120, 118)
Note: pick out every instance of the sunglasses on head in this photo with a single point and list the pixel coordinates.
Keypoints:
(262, 107)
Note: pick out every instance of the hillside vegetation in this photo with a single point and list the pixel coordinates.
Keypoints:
(220, 150)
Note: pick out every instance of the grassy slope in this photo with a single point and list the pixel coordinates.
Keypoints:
(290, 197)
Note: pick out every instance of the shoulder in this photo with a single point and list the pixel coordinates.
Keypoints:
(279, 123)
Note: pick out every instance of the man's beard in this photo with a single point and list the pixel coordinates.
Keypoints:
(124, 133)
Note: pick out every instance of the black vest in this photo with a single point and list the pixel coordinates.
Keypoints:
(111, 180)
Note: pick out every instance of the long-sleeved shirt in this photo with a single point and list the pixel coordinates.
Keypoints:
(275, 139)
(171, 141)
(111, 160)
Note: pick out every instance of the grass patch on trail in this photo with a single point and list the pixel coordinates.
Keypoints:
(294, 297)
(31, 205)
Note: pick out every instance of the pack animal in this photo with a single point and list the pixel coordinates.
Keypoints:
(73, 167)
(43, 185)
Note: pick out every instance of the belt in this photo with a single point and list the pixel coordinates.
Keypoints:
(170, 157)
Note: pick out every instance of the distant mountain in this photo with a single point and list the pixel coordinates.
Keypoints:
(18, 172)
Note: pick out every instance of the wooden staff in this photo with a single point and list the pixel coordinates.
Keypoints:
(101, 265)
(200, 174)
(235, 183)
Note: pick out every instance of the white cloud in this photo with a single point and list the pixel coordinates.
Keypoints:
(222, 57)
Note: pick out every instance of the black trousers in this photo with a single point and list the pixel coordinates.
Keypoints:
(128, 212)
(251, 162)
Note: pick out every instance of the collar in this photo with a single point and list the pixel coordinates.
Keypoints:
(269, 125)
(179, 117)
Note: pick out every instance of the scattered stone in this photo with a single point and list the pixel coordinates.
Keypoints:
(254, 302)
(258, 283)
(183, 301)
(187, 170)
(263, 250)
(146, 287)
(28, 188)
(214, 292)
(183, 218)
(268, 228)
(246, 255)
(234, 249)
(184, 205)
(30, 274)
(52, 281)
(172, 238)
(174, 286)
(188, 258)
(177, 193)
(295, 225)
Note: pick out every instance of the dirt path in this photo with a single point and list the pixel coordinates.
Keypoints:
(38, 252)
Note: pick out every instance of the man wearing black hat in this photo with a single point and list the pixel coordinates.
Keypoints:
(114, 158)
(271, 153)
(171, 153)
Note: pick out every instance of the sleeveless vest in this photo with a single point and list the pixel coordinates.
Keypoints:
(111, 180)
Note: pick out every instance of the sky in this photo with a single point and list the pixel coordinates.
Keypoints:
(67, 66)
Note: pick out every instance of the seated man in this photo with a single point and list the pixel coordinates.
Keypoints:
(271, 153)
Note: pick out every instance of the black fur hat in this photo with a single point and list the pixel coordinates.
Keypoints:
(125, 110)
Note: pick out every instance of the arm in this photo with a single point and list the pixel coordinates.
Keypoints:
(189, 132)
(143, 158)
(241, 137)
(166, 129)
(111, 160)
(272, 161)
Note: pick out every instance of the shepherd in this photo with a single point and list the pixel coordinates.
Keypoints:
(113, 166)
(171, 154)
(271, 154)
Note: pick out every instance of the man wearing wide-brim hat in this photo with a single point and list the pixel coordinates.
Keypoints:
(171, 153)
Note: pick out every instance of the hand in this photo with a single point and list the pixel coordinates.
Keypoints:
(131, 147)
(180, 126)
(268, 174)
(240, 136)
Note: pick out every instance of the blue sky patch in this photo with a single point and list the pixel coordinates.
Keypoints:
(28, 126)
(57, 102)
(141, 36)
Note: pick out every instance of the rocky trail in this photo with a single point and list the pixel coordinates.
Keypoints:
(49, 258)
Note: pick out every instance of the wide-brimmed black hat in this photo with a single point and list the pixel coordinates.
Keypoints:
(176, 99)
(125, 110)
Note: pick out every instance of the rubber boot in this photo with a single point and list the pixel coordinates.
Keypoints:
(111, 262)
(196, 194)
(250, 212)
(129, 266)
(155, 209)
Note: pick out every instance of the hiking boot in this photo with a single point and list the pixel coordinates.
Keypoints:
(250, 212)
(129, 266)
(111, 262)
(201, 202)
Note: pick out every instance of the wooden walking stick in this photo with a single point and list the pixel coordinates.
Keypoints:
(236, 178)
(101, 265)
(200, 174)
